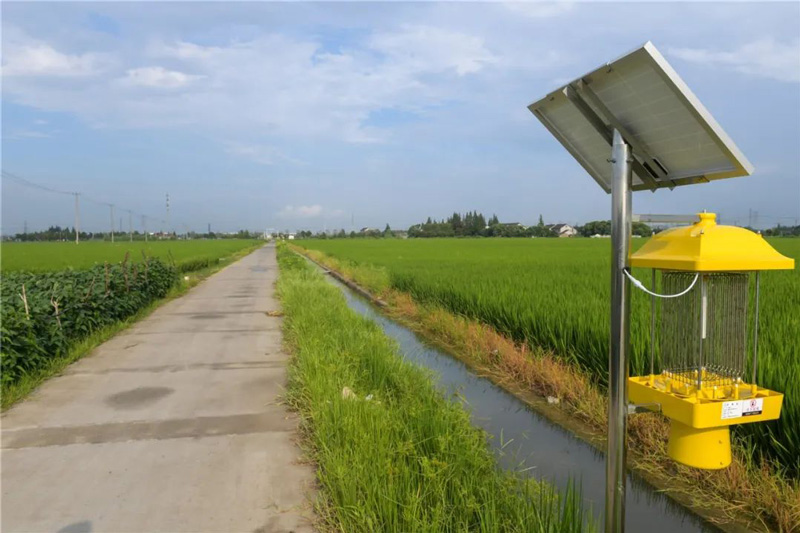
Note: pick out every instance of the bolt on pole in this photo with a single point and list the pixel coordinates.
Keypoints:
(619, 346)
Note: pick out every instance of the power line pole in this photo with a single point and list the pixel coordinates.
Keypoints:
(144, 226)
(112, 221)
(168, 226)
(77, 217)
(130, 224)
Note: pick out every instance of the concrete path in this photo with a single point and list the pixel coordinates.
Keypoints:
(170, 426)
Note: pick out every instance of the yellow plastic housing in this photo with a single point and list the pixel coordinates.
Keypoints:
(699, 431)
(706, 246)
(709, 449)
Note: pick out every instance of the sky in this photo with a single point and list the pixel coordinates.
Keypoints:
(332, 115)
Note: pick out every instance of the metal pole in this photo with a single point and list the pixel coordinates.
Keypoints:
(653, 325)
(77, 218)
(112, 221)
(620, 336)
(755, 329)
(168, 225)
(130, 225)
(703, 295)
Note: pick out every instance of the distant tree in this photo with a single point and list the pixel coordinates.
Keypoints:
(641, 229)
(603, 227)
(540, 230)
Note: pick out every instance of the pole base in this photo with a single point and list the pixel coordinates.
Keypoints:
(709, 449)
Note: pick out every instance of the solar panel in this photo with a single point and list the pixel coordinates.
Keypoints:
(674, 139)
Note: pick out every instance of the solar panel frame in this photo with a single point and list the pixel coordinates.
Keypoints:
(643, 97)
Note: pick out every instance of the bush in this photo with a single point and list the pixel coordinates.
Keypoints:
(65, 307)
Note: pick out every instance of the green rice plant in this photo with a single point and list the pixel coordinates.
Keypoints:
(188, 255)
(554, 293)
(392, 452)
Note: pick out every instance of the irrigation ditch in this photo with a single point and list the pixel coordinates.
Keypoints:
(530, 434)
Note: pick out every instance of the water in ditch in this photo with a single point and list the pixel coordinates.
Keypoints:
(532, 442)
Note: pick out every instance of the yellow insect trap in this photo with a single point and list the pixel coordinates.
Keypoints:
(701, 331)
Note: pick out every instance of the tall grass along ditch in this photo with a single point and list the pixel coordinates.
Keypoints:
(554, 293)
(392, 452)
(45, 314)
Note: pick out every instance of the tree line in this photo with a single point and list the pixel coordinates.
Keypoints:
(57, 233)
(475, 224)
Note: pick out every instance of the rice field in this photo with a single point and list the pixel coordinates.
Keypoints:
(554, 293)
(52, 256)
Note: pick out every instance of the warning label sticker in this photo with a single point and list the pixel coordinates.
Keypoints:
(741, 408)
(752, 407)
(731, 409)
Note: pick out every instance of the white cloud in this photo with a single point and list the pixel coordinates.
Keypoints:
(263, 154)
(27, 134)
(540, 10)
(41, 59)
(158, 78)
(301, 211)
(430, 49)
(279, 85)
(764, 58)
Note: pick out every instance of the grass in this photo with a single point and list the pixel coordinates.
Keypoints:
(751, 491)
(50, 256)
(392, 452)
(13, 393)
(554, 293)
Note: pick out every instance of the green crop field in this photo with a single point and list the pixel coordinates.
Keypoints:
(51, 256)
(555, 293)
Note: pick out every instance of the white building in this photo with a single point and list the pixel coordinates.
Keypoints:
(563, 230)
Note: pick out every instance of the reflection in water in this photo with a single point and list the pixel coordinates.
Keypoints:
(530, 441)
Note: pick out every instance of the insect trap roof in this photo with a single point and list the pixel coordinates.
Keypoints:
(674, 139)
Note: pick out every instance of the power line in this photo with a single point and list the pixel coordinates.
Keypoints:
(28, 183)
(23, 181)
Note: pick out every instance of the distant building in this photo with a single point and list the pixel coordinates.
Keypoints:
(512, 225)
(370, 231)
(563, 230)
(291, 236)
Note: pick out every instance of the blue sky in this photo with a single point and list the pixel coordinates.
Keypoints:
(310, 115)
